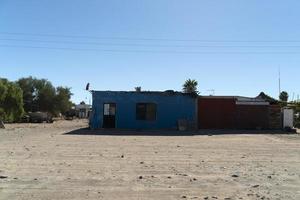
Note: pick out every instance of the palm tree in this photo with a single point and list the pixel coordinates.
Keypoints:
(190, 86)
(284, 96)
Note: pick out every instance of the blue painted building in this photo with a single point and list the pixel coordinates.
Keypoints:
(141, 110)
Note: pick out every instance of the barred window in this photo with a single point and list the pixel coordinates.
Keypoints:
(146, 111)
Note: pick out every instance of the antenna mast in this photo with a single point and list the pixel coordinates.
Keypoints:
(279, 80)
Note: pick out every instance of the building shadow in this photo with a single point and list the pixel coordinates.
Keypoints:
(122, 132)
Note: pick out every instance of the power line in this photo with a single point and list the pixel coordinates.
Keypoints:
(149, 39)
(148, 45)
(143, 51)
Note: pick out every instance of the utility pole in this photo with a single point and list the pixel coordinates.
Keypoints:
(279, 81)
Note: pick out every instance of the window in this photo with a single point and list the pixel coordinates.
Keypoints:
(110, 109)
(146, 111)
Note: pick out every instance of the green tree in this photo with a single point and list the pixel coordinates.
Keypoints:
(11, 101)
(29, 93)
(190, 86)
(62, 99)
(45, 95)
(284, 96)
(3, 92)
(41, 95)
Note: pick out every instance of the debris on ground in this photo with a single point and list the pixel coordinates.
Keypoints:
(86, 163)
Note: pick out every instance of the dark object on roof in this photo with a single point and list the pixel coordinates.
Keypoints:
(2, 124)
(138, 89)
(267, 98)
(87, 86)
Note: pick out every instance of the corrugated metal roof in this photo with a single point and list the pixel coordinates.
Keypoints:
(239, 98)
(167, 92)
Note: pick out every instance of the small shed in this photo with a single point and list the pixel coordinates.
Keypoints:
(141, 110)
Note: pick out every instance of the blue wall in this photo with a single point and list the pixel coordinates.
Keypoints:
(170, 108)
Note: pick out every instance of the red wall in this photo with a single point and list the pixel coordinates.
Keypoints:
(214, 113)
(252, 117)
(223, 113)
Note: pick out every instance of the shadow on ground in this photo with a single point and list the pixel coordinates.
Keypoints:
(118, 132)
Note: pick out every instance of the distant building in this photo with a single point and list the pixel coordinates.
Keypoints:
(141, 110)
(83, 110)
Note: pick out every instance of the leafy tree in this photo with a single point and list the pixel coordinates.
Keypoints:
(3, 89)
(11, 101)
(62, 99)
(29, 93)
(41, 95)
(45, 96)
(284, 96)
(190, 86)
(3, 93)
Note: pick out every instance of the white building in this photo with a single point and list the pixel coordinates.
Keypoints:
(82, 110)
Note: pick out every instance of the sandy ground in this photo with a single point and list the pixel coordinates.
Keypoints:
(40, 161)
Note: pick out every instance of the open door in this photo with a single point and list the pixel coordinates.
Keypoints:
(109, 115)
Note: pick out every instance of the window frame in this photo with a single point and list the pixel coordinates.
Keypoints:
(144, 115)
(109, 114)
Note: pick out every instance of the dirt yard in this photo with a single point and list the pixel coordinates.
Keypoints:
(41, 161)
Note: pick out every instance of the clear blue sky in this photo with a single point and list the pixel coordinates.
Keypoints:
(234, 47)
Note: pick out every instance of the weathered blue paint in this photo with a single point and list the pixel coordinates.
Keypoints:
(171, 106)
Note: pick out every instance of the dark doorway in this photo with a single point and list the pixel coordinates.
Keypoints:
(109, 115)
